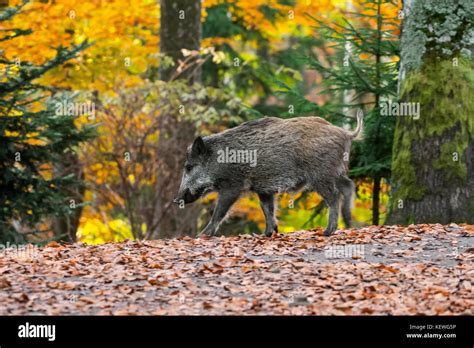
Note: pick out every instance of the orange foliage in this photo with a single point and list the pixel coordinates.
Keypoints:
(118, 30)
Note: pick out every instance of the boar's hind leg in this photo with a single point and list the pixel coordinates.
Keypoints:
(346, 187)
(267, 202)
(332, 200)
(224, 202)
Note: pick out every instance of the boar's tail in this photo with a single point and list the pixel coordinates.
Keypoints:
(356, 134)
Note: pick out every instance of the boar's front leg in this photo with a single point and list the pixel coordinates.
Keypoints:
(224, 202)
(267, 202)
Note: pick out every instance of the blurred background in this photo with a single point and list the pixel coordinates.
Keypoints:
(100, 99)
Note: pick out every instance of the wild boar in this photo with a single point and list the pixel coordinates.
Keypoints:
(268, 156)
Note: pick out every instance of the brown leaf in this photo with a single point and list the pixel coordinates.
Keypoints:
(158, 282)
(88, 300)
(22, 298)
(388, 268)
(4, 283)
(155, 265)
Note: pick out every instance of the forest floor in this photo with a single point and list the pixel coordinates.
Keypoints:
(419, 269)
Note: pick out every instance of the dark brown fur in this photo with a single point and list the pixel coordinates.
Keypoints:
(303, 153)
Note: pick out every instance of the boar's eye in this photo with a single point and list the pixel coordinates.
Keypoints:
(188, 167)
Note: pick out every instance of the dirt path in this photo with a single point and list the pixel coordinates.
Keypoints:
(419, 269)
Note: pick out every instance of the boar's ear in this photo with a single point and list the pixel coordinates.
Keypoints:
(199, 147)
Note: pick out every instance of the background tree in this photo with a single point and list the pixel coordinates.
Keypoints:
(180, 28)
(433, 156)
(33, 137)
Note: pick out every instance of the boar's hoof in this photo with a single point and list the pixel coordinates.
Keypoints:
(205, 233)
(269, 233)
(327, 232)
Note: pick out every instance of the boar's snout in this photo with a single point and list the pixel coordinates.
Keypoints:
(186, 197)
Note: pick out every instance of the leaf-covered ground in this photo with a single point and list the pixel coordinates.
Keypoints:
(419, 269)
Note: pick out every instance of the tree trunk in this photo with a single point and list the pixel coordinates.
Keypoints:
(180, 27)
(433, 154)
(376, 201)
(67, 226)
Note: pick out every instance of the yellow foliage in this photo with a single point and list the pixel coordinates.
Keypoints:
(94, 231)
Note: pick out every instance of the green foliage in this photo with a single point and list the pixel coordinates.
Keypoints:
(33, 137)
(244, 72)
(361, 74)
(204, 106)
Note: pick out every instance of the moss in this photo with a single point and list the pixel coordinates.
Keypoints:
(453, 169)
(402, 167)
(444, 92)
(411, 219)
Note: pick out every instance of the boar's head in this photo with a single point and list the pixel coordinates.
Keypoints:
(196, 180)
